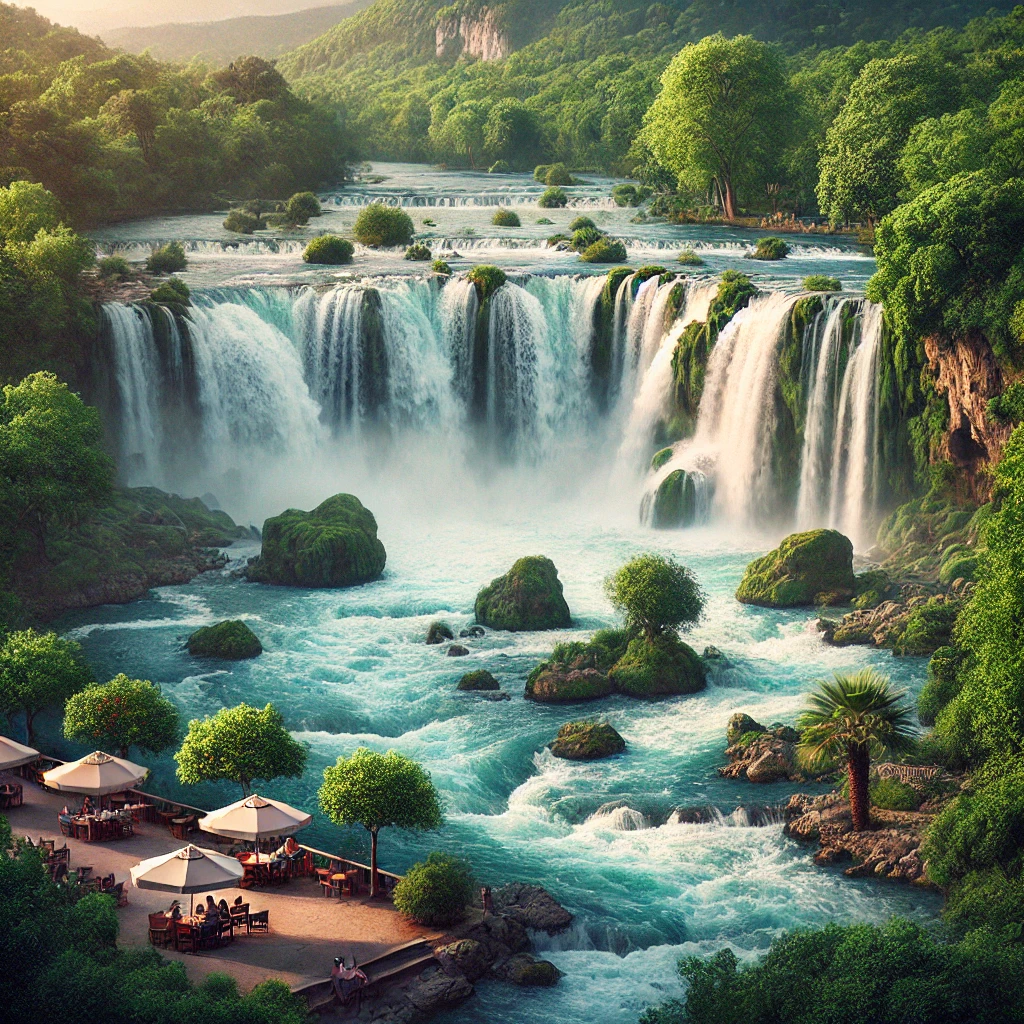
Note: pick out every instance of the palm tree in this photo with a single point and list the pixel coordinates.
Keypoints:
(856, 716)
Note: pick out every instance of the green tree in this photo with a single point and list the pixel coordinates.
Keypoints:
(122, 714)
(855, 717)
(52, 465)
(251, 79)
(721, 115)
(378, 224)
(379, 791)
(134, 113)
(38, 671)
(242, 744)
(656, 594)
(511, 133)
(461, 133)
(860, 174)
(27, 208)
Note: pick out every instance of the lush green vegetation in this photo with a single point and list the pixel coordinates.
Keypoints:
(113, 135)
(331, 250)
(436, 892)
(380, 791)
(378, 224)
(71, 969)
(122, 714)
(243, 745)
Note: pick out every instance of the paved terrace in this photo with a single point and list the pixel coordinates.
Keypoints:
(307, 929)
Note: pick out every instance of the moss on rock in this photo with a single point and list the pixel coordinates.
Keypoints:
(675, 502)
(527, 597)
(335, 545)
(479, 680)
(803, 570)
(928, 627)
(438, 632)
(587, 741)
(231, 640)
(659, 667)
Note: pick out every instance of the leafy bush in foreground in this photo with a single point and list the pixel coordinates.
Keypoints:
(437, 891)
(168, 259)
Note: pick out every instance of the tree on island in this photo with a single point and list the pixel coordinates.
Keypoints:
(37, 671)
(122, 714)
(657, 595)
(242, 744)
(378, 791)
(855, 717)
(717, 121)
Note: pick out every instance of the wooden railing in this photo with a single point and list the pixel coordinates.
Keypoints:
(333, 858)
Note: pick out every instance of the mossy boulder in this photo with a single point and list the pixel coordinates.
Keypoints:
(675, 504)
(661, 457)
(805, 569)
(660, 667)
(523, 969)
(438, 632)
(232, 640)
(587, 741)
(741, 725)
(549, 684)
(335, 545)
(527, 597)
(928, 628)
(479, 680)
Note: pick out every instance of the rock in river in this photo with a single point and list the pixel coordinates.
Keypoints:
(527, 597)
(805, 569)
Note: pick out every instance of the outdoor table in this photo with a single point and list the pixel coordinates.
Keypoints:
(10, 795)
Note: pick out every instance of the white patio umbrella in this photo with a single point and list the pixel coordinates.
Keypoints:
(13, 755)
(95, 774)
(255, 816)
(188, 870)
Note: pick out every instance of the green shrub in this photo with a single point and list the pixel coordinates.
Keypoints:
(500, 167)
(942, 685)
(540, 172)
(487, 279)
(381, 225)
(822, 283)
(435, 892)
(689, 258)
(440, 267)
(1009, 406)
(630, 195)
(168, 259)
(558, 174)
(893, 795)
(605, 251)
(428, 223)
(578, 223)
(301, 207)
(418, 251)
(172, 292)
(505, 218)
(584, 238)
(114, 269)
(555, 239)
(769, 248)
(242, 223)
(928, 628)
(329, 250)
(553, 199)
(545, 220)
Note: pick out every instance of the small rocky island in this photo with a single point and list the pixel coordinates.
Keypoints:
(231, 640)
(587, 741)
(527, 597)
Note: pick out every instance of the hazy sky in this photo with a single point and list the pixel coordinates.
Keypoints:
(98, 15)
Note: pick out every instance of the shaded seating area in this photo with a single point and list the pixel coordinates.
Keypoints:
(194, 933)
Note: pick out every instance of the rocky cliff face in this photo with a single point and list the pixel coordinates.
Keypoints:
(967, 374)
(482, 36)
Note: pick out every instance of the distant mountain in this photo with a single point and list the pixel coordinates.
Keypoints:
(95, 16)
(220, 42)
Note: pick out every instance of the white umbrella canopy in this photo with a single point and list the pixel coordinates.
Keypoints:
(188, 870)
(95, 774)
(13, 755)
(255, 816)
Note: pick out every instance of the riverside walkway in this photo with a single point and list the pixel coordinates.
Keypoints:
(307, 930)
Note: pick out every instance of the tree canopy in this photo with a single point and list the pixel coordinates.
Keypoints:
(242, 744)
(122, 714)
(380, 791)
(656, 594)
(39, 671)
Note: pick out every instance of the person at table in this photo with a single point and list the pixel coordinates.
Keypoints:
(173, 911)
(224, 910)
(288, 848)
(212, 910)
(87, 806)
(348, 982)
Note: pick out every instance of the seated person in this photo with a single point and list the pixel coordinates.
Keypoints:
(224, 910)
(238, 901)
(173, 911)
(348, 981)
(212, 911)
(86, 806)
(288, 848)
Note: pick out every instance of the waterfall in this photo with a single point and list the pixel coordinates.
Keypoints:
(855, 465)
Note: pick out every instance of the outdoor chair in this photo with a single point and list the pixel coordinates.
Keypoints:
(260, 922)
(60, 872)
(62, 854)
(47, 845)
(160, 930)
(227, 927)
(185, 938)
(240, 916)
